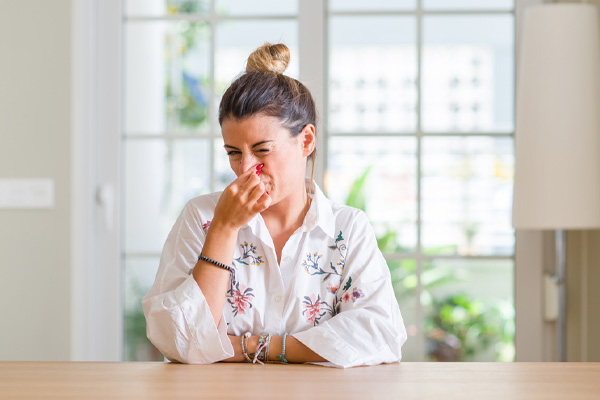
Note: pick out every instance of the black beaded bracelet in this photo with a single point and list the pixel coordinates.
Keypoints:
(218, 264)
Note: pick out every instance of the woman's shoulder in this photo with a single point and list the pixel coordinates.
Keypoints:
(202, 207)
(205, 200)
(347, 215)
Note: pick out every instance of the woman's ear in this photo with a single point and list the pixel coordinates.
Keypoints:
(307, 139)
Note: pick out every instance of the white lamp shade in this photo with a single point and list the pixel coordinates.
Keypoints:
(557, 167)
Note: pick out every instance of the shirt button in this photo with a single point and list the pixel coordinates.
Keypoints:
(277, 299)
(287, 258)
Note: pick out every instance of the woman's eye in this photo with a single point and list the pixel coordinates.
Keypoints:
(262, 151)
(233, 153)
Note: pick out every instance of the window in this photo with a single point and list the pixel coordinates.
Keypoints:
(420, 135)
(418, 129)
(179, 56)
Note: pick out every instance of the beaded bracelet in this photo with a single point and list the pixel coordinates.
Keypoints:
(267, 347)
(282, 355)
(262, 349)
(213, 262)
(244, 344)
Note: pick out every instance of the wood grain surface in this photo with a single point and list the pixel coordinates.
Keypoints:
(139, 380)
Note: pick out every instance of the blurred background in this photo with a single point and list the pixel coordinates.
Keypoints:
(113, 105)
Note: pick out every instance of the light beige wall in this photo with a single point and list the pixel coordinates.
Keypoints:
(583, 284)
(35, 133)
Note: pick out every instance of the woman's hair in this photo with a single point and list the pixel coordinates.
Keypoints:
(263, 89)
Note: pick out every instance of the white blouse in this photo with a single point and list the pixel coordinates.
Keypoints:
(332, 290)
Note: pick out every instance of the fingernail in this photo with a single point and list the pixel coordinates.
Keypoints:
(267, 192)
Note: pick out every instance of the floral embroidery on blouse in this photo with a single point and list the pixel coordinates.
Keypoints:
(311, 264)
(341, 247)
(240, 297)
(312, 309)
(249, 252)
(313, 304)
(356, 293)
(332, 288)
(206, 226)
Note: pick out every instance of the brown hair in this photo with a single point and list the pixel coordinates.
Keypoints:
(263, 89)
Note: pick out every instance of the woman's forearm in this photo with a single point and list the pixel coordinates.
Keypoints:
(295, 351)
(213, 280)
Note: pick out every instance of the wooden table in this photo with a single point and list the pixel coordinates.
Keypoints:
(105, 380)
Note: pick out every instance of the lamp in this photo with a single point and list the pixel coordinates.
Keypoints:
(557, 166)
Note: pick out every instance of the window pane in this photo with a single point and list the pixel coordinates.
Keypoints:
(469, 310)
(372, 74)
(468, 4)
(257, 7)
(373, 5)
(467, 189)
(404, 281)
(160, 177)
(468, 73)
(377, 175)
(167, 71)
(163, 7)
(139, 276)
(235, 41)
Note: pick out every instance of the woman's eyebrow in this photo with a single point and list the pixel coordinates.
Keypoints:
(253, 146)
(263, 142)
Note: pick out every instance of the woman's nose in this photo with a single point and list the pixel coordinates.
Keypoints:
(247, 162)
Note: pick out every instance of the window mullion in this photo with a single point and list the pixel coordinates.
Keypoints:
(312, 45)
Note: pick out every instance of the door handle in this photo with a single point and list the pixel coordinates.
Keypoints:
(105, 197)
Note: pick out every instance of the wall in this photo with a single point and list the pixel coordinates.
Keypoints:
(583, 281)
(35, 132)
(35, 87)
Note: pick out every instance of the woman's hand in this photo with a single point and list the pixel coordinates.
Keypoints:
(241, 201)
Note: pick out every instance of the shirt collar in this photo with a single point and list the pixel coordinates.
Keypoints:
(319, 215)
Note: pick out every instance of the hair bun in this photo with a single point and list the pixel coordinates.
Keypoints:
(269, 57)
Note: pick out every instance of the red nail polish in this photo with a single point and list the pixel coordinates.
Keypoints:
(267, 192)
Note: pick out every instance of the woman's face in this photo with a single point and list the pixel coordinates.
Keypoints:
(261, 139)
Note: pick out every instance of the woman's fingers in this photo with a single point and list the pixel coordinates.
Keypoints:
(249, 185)
(264, 202)
(241, 181)
(243, 199)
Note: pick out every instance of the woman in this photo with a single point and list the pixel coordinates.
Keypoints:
(270, 269)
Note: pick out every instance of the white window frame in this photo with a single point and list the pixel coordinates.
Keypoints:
(96, 303)
(96, 309)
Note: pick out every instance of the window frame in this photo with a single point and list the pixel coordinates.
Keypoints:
(97, 254)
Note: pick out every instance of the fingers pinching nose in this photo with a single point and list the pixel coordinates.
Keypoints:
(259, 167)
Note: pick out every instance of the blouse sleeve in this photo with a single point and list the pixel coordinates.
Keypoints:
(368, 328)
(178, 319)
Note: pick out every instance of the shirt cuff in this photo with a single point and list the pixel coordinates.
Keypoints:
(326, 343)
(211, 342)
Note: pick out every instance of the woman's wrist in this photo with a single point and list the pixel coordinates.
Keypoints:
(222, 228)
(276, 348)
